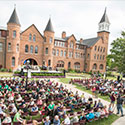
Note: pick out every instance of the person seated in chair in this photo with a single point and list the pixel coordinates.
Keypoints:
(34, 108)
(82, 117)
(14, 109)
(7, 119)
(47, 121)
(66, 120)
(99, 105)
(56, 120)
(75, 118)
(17, 118)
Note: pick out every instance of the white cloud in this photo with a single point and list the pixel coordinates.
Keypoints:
(75, 17)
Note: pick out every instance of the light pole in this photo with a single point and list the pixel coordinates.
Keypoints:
(27, 67)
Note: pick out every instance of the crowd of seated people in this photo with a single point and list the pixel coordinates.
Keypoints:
(102, 86)
(52, 102)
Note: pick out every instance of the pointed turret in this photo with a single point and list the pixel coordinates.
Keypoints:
(104, 18)
(49, 26)
(14, 18)
(104, 23)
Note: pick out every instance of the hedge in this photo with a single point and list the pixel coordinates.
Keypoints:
(17, 73)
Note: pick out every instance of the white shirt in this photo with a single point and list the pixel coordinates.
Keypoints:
(67, 121)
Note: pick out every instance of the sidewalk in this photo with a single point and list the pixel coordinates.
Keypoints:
(120, 121)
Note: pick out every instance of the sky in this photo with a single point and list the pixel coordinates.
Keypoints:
(78, 17)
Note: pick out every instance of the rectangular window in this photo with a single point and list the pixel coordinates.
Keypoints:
(50, 40)
(103, 57)
(54, 52)
(9, 46)
(57, 53)
(64, 53)
(13, 61)
(61, 54)
(70, 54)
(88, 56)
(75, 54)
(14, 34)
(46, 50)
(95, 56)
(1, 47)
(17, 48)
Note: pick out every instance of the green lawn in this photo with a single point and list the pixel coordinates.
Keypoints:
(6, 74)
(105, 121)
(80, 87)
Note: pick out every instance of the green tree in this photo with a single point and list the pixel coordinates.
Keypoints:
(117, 55)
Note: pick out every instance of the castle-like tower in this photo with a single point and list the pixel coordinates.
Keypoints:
(48, 44)
(13, 41)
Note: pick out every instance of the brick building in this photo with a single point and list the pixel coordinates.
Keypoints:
(46, 49)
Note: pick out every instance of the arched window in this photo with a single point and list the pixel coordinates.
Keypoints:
(9, 46)
(103, 50)
(30, 37)
(101, 66)
(95, 66)
(49, 62)
(26, 48)
(98, 48)
(77, 65)
(13, 61)
(34, 38)
(36, 49)
(17, 47)
(31, 49)
(95, 48)
(46, 51)
(14, 34)
(69, 65)
(60, 63)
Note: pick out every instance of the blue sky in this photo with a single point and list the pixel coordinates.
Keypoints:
(80, 18)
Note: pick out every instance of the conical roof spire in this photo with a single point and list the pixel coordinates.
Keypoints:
(104, 18)
(14, 18)
(49, 26)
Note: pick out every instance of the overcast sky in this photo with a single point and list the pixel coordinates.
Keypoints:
(78, 17)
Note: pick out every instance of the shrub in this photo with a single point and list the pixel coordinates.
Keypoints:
(3, 70)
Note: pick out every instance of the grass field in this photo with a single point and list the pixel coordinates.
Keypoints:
(105, 121)
(6, 74)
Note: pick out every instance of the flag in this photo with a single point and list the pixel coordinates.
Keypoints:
(25, 62)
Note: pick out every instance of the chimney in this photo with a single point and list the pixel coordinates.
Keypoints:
(81, 40)
(63, 34)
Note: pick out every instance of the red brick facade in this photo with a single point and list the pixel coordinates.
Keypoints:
(48, 50)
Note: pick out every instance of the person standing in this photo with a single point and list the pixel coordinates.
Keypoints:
(119, 105)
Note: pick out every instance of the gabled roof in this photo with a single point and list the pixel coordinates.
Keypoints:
(35, 28)
(14, 18)
(64, 39)
(49, 26)
(90, 42)
(61, 39)
(104, 18)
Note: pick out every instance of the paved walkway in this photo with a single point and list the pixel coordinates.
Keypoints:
(120, 121)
